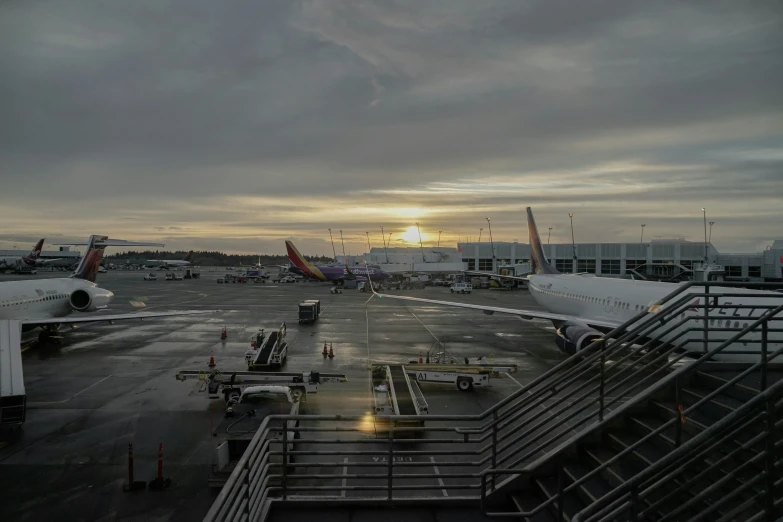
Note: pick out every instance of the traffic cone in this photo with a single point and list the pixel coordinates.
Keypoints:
(212, 360)
(223, 334)
(325, 352)
(421, 360)
(331, 352)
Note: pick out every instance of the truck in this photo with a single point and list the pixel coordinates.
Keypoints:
(190, 274)
(245, 413)
(13, 398)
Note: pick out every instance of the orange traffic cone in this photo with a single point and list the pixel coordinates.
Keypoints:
(421, 360)
(212, 360)
(223, 334)
(331, 352)
(325, 352)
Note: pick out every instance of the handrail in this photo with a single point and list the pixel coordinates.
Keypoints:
(253, 471)
(705, 436)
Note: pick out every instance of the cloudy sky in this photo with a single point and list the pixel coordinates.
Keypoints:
(234, 125)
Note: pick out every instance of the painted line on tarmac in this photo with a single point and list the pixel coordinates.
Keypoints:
(71, 397)
(440, 480)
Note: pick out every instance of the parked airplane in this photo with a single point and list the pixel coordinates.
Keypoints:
(583, 307)
(165, 263)
(30, 260)
(330, 273)
(48, 303)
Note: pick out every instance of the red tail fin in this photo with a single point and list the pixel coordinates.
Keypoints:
(88, 266)
(34, 253)
(189, 256)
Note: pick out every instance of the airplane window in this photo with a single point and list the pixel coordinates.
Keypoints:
(728, 323)
(736, 324)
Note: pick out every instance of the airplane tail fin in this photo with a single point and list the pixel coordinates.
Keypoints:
(301, 263)
(189, 256)
(35, 252)
(91, 260)
(540, 263)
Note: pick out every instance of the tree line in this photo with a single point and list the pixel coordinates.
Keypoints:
(207, 258)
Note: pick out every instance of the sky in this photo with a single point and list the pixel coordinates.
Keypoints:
(236, 125)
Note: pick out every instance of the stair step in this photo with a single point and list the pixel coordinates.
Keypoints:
(571, 503)
(593, 489)
(528, 501)
(737, 391)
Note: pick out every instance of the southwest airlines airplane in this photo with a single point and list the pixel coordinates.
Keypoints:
(584, 307)
(48, 303)
(330, 273)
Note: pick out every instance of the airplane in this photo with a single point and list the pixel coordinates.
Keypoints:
(330, 273)
(49, 303)
(583, 307)
(165, 263)
(30, 260)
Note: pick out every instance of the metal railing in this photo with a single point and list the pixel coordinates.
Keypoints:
(524, 432)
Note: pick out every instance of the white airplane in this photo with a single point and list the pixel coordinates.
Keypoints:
(165, 263)
(30, 260)
(583, 307)
(48, 303)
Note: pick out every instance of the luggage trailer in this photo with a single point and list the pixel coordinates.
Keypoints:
(396, 388)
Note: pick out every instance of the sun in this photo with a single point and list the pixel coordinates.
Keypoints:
(411, 235)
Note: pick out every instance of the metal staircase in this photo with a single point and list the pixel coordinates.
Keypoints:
(629, 428)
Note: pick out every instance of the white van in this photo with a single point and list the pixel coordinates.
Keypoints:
(461, 288)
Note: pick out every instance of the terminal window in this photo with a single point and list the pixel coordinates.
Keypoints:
(586, 265)
(471, 264)
(610, 266)
(564, 265)
(754, 271)
(630, 264)
(734, 271)
(485, 265)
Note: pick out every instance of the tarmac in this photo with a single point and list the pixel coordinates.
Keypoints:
(108, 385)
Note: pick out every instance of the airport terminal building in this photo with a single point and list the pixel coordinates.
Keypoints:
(660, 259)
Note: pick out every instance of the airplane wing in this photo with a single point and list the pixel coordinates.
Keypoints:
(97, 317)
(47, 261)
(501, 276)
(525, 314)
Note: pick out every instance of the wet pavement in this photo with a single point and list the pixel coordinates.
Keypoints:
(110, 385)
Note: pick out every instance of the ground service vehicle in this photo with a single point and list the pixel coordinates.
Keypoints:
(461, 288)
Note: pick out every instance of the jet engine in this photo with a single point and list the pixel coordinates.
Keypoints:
(573, 338)
(90, 299)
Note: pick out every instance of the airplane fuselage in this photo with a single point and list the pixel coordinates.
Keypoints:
(50, 298)
(338, 273)
(168, 262)
(616, 301)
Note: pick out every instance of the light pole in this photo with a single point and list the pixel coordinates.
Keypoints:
(573, 241)
(439, 233)
(423, 260)
(711, 223)
(492, 243)
(706, 253)
(641, 240)
(343, 242)
(383, 238)
(480, 231)
(549, 236)
(369, 248)
(332, 240)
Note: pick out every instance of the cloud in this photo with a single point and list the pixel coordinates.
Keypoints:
(265, 121)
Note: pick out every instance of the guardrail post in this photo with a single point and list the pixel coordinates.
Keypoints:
(707, 315)
(764, 354)
(769, 471)
(560, 488)
(601, 392)
(390, 467)
(494, 445)
(285, 460)
(634, 500)
(678, 425)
